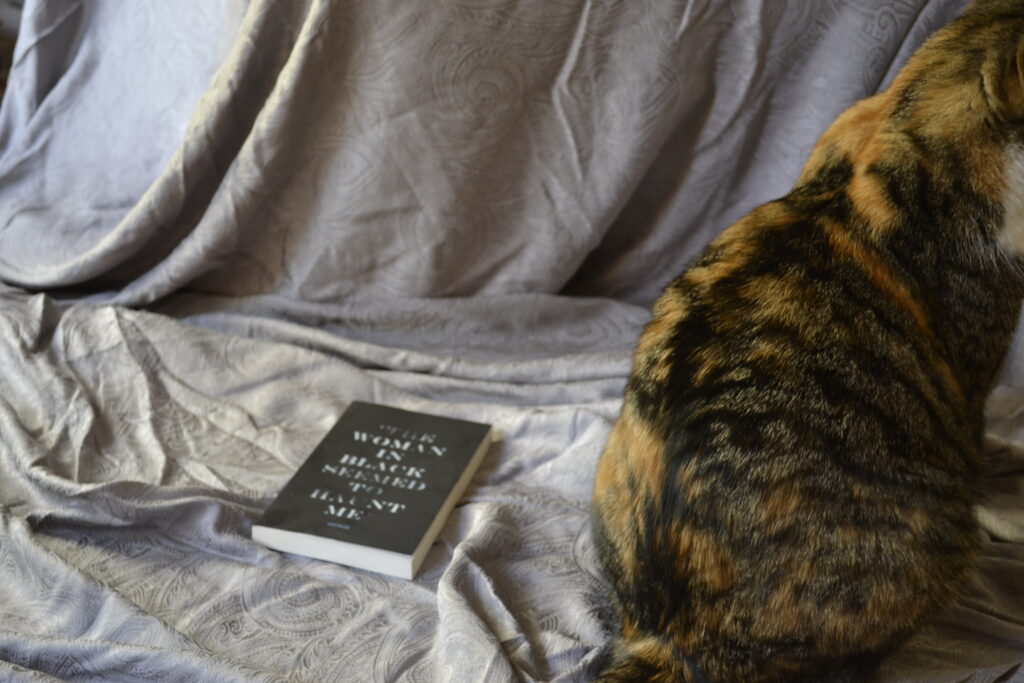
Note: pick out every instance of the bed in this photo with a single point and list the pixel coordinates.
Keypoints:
(223, 222)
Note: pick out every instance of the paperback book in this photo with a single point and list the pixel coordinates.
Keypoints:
(376, 491)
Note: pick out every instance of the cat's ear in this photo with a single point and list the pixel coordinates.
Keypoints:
(1015, 80)
(1002, 77)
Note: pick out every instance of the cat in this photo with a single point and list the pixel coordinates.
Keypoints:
(788, 491)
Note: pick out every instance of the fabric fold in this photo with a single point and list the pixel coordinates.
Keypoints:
(221, 223)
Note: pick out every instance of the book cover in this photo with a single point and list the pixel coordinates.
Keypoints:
(377, 489)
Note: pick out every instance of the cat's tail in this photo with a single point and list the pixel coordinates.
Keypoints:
(649, 658)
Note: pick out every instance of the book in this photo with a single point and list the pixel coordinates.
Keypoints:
(377, 489)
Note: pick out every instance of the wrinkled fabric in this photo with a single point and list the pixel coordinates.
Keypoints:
(220, 223)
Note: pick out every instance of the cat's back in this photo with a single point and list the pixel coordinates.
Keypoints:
(791, 457)
(788, 490)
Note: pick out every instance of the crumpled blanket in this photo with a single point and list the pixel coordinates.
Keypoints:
(220, 223)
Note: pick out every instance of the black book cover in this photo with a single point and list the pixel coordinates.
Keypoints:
(378, 479)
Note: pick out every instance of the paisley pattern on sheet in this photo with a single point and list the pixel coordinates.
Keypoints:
(461, 206)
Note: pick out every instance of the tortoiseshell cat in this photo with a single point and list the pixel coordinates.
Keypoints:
(788, 491)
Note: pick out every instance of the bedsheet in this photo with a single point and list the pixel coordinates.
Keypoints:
(221, 222)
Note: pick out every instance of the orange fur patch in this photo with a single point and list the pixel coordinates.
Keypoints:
(654, 346)
(779, 298)
(869, 201)
(894, 290)
(854, 135)
(701, 557)
(634, 452)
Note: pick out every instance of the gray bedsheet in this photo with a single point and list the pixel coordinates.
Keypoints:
(222, 221)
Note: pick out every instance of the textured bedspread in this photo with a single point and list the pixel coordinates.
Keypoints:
(221, 222)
